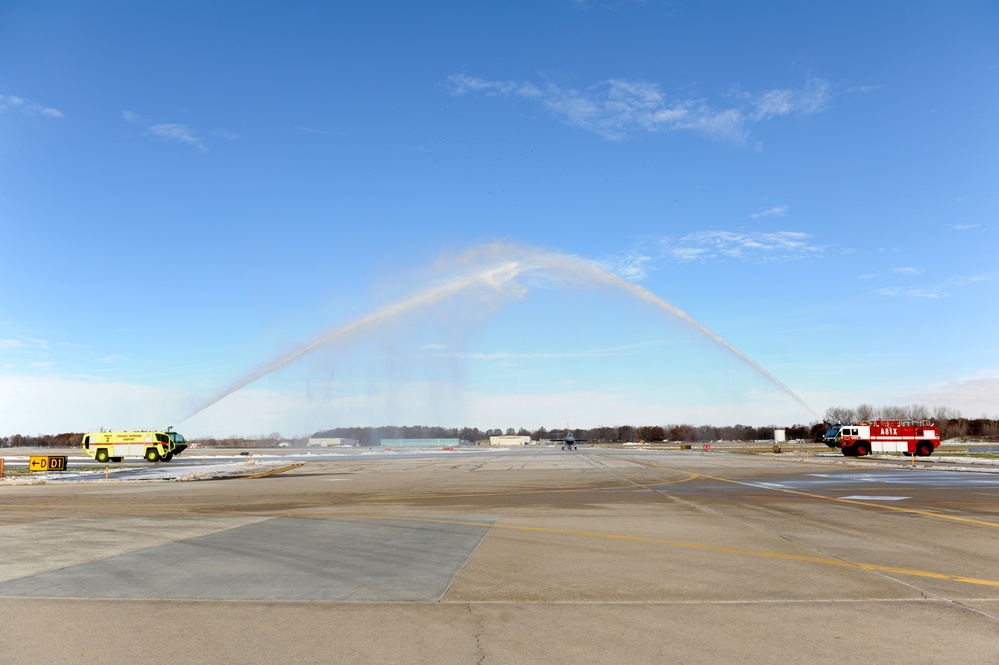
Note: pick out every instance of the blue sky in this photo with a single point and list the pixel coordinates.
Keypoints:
(190, 192)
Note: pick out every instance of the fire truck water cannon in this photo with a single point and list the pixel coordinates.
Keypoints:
(910, 437)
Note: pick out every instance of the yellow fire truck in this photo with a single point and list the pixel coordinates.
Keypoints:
(116, 446)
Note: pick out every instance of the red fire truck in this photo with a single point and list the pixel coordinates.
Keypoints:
(912, 437)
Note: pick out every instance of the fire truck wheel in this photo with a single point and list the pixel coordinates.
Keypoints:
(848, 452)
(152, 455)
(924, 448)
(861, 449)
(102, 456)
(168, 457)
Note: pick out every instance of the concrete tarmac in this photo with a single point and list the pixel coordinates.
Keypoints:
(521, 556)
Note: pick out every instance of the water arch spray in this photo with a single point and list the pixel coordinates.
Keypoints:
(494, 269)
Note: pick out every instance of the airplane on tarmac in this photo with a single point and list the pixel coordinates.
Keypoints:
(568, 441)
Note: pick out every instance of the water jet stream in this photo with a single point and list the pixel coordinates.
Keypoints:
(503, 264)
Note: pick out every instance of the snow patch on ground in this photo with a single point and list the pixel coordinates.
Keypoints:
(936, 462)
(159, 472)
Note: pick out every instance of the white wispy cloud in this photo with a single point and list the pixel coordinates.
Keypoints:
(776, 211)
(313, 130)
(896, 291)
(13, 103)
(708, 246)
(863, 89)
(964, 227)
(812, 98)
(23, 342)
(943, 288)
(170, 131)
(632, 266)
(760, 246)
(980, 277)
(617, 108)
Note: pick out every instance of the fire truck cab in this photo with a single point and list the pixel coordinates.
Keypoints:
(910, 437)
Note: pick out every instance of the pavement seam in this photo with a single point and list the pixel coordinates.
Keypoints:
(672, 543)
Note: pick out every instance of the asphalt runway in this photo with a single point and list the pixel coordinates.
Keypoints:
(520, 556)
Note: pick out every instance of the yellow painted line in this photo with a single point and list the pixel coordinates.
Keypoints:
(671, 543)
(273, 471)
(869, 504)
(690, 475)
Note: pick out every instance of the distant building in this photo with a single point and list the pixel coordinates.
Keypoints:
(509, 440)
(330, 442)
(420, 443)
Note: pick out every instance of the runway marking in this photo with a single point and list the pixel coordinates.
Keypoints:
(861, 497)
(912, 511)
(671, 543)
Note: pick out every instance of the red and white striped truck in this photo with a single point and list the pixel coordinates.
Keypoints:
(912, 437)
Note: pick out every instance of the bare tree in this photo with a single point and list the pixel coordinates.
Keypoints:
(840, 414)
(865, 413)
(942, 414)
(895, 412)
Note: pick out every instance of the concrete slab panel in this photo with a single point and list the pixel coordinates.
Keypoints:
(35, 547)
(284, 559)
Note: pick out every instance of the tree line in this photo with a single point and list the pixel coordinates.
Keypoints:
(65, 440)
(951, 423)
(366, 436)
